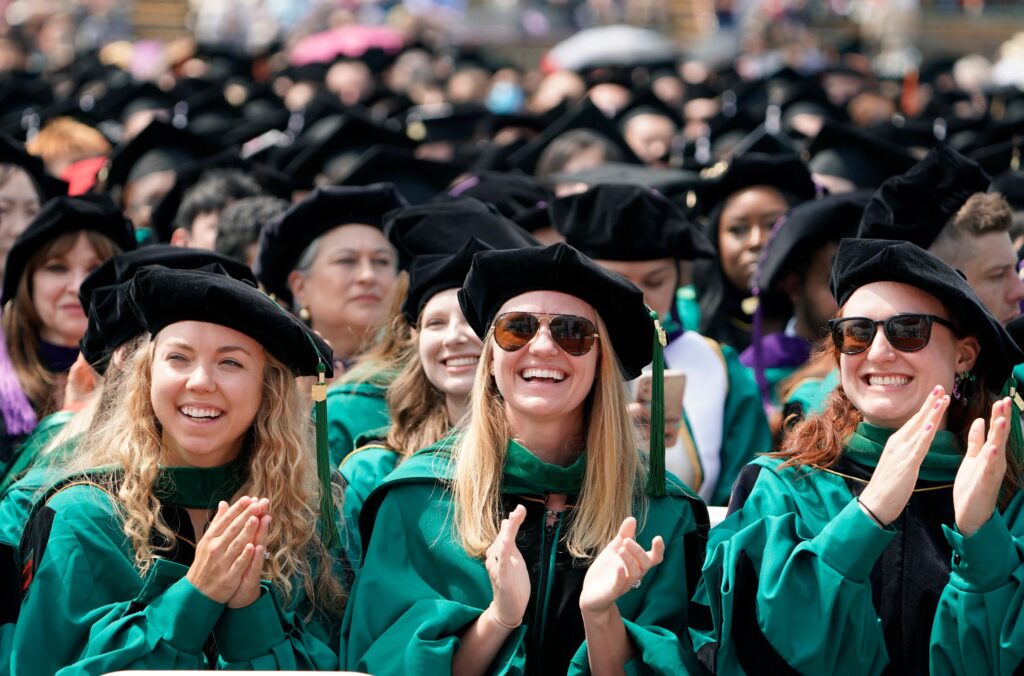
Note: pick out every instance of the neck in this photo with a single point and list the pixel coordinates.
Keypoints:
(456, 407)
(346, 341)
(553, 440)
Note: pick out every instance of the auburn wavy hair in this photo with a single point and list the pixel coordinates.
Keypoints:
(281, 466)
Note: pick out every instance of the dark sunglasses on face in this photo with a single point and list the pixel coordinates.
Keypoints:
(575, 335)
(905, 332)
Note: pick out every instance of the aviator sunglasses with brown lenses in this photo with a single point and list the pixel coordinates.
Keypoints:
(575, 335)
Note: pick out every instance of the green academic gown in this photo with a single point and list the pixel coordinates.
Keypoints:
(362, 470)
(353, 409)
(798, 579)
(87, 610)
(28, 452)
(418, 589)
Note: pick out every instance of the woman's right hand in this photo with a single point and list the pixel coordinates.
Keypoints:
(895, 477)
(224, 552)
(510, 581)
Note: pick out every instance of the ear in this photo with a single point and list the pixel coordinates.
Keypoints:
(297, 285)
(790, 286)
(180, 237)
(967, 353)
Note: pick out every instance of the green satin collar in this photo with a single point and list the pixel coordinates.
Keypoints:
(526, 473)
(941, 464)
(199, 487)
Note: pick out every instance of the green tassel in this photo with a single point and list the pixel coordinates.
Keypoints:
(328, 528)
(656, 457)
(1016, 440)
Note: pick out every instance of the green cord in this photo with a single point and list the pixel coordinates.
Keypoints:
(656, 457)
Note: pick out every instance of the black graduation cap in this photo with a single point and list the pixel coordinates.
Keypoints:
(283, 239)
(1000, 157)
(584, 115)
(158, 147)
(491, 124)
(103, 293)
(160, 296)
(808, 227)
(669, 182)
(515, 195)
(857, 155)
(447, 122)
(59, 216)
(272, 181)
(12, 152)
(915, 206)
(135, 97)
(764, 142)
(645, 102)
(417, 179)
(442, 227)
(1010, 185)
(20, 91)
(349, 135)
(627, 223)
(786, 173)
(863, 261)
(433, 273)
(497, 276)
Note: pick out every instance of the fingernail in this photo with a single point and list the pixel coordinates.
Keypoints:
(938, 388)
(937, 404)
(928, 427)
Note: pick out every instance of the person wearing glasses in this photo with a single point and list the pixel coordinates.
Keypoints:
(879, 538)
(537, 541)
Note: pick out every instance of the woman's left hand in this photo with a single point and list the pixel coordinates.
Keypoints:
(249, 589)
(980, 477)
(618, 569)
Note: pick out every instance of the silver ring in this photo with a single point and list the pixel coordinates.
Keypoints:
(636, 585)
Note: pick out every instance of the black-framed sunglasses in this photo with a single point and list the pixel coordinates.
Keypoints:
(575, 335)
(905, 332)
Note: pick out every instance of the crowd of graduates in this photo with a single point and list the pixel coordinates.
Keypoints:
(418, 362)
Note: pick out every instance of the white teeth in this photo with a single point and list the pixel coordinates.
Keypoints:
(461, 361)
(196, 412)
(888, 380)
(543, 373)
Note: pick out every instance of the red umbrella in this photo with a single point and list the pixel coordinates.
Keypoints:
(350, 41)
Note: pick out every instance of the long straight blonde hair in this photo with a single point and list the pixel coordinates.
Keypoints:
(614, 473)
(280, 466)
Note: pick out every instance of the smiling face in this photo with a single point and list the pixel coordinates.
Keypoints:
(207, 387)
(348, 281)
(886, 385)
(540, 381)
(55, 285)
(743, 229)
(448, 348)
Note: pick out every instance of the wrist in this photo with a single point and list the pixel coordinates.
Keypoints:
(599, 615)
(871, 514)
(492, 614)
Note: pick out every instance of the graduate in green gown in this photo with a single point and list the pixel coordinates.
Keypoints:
(882, 537)
(641, 235)
(537, 542)
(185, 535)
(430, 395)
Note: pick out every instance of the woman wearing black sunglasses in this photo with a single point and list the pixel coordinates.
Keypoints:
(878, 538)
(537, 543)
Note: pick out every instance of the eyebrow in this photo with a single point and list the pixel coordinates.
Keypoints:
(182, 345)
(350, 250)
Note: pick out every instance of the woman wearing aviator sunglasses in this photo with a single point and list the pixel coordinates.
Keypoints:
(536, 542)
(880, 537)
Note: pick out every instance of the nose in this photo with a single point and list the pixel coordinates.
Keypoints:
(201, 380)
(543, 343)
(455, 333)
(1016, 294)
(758, 236)
(77, 278)
(365, 272)
(880, 349)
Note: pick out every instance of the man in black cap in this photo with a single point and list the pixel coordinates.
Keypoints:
(942, 206)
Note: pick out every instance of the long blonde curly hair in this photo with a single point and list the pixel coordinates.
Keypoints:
(281, 466)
